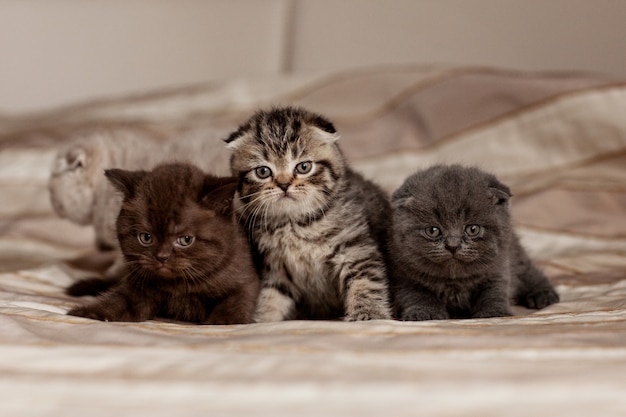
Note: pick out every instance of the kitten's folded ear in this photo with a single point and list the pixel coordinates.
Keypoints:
(401, 197)
(324, 135)
(323, 129)
(125, 181)
(500, 192)
(218, 194)
(70, 160)
(76, 158)
(236, 138)
(324, 124)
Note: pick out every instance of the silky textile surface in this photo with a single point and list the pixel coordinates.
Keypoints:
(557, 139)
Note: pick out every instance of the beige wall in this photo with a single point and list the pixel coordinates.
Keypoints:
(60, 51)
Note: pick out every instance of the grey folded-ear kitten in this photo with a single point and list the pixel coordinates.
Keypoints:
(80, 192)
(453, 251)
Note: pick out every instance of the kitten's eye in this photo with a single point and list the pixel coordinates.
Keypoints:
(472, 230)
(263, 172)
(145, 239)
(185, 240)
(432, 231)
(304, 167)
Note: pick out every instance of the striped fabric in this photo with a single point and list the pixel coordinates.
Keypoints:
(557, 139)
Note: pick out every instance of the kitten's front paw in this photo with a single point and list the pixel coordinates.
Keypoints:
(422, 314)
(374, 312)
(268, 316)
(367, 300)
(90, 312)
(274, 306)
(98, 311)
(540, 299)
(494, 311)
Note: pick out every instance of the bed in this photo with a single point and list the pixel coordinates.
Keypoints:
(557, 139)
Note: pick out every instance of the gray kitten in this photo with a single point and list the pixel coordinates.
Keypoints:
(317, 226)
(453, 251)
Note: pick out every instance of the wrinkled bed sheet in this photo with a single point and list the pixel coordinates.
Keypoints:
(557, 139)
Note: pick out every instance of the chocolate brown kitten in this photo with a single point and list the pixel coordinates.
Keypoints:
(186, 257)
(454, 253)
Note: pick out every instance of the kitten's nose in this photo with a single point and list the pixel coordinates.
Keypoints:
(162, 257)
(283, 185)
(453, 244)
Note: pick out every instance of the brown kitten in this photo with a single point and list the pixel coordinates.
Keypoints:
(186, 257)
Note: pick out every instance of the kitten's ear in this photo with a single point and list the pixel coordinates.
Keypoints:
(323, 129)
(324, 135)
(324, 124)
(401, 202)
(125, 181)
(218, 194)
(401, 197)
(70, 160)
(235, 139)
(75, 158)
(500, 192)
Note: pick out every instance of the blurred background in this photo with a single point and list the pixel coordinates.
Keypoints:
(58, 52)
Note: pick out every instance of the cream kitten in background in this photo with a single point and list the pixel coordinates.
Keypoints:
(80, 192)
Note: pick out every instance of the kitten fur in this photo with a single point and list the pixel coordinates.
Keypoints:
(186, 256)
(80, 193)
(317, 228)
(453, 251)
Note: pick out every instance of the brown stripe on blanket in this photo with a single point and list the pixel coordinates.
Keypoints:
(604, 171)
(589, 278)
(586, 198)
(394, 143)
(379, 90)
(423, 115)
(590, 213)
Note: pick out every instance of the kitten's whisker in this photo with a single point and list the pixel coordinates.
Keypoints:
(194, 273)
(260, 209)
(188, 279)
(266, 209)
(257, 195)
(251, 204)
(254, 210)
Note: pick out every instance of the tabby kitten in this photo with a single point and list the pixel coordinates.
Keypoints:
(453, 250)
(317, 227)
(187, 258)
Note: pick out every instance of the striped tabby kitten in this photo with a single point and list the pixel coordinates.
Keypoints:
(317, 226)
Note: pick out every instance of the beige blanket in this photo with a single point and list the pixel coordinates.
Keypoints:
(559, 141)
